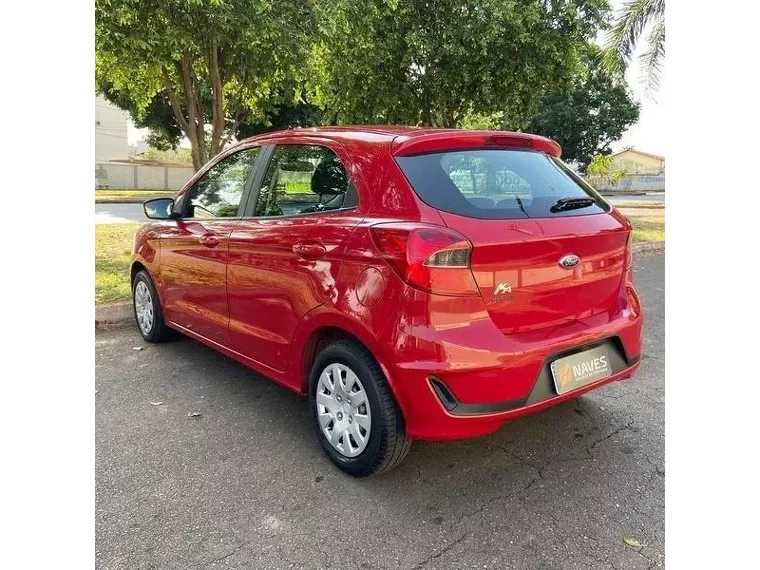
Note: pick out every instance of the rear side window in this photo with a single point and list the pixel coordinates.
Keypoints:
(304, 179)
(500, 184)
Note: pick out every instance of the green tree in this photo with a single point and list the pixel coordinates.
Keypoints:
(635, 20)
(602, 166)
(291, 110)
(593, 112)
(157, 115)
(216, 62)
(438, 62)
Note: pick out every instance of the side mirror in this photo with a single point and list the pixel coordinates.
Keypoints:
(159, 209)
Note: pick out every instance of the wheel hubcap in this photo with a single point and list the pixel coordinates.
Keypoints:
(143, 307)
(343, 410)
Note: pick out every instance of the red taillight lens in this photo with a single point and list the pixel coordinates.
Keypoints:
(431, 258)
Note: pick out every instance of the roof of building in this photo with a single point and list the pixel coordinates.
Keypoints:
(641, 153)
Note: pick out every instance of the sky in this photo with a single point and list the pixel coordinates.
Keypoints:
(646, 135)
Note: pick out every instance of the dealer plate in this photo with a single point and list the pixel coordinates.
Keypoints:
(580, 369)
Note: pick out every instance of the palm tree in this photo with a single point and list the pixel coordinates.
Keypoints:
(636, 18)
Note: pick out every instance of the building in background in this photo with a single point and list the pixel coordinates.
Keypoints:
(110, 132)
(636, 162)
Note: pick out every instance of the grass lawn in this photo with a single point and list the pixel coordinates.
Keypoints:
(131, 196)
(641, 205)
(113, 248)
(648, 228)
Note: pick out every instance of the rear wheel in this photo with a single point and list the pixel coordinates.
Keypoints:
(358, 424)
(147, 309)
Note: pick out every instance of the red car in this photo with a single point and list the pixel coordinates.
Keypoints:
(413, 283)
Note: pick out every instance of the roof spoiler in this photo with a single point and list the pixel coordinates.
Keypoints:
(404, 145)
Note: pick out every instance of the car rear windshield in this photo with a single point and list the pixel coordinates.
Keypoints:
(500, 184)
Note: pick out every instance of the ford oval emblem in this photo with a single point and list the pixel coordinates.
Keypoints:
(569, 261)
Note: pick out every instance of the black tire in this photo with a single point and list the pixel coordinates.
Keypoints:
(387, 445)
(158, 332)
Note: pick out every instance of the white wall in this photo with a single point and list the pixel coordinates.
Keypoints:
(110, 131)
(141, 176)
(630, 183)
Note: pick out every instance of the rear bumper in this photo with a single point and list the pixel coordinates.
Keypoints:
(470, 380)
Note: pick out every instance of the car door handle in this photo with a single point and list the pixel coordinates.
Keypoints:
(309, 250)
(209, 240)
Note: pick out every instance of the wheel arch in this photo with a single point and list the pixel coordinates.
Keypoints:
(318, 330)
(136, 266)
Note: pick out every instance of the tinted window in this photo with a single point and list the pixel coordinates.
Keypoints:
(218, 193)
(500, 184)
(304, 179)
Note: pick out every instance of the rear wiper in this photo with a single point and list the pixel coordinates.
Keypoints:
(571, 204)
(522, 208)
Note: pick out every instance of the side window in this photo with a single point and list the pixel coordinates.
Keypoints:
(218, 193)
(303, 179)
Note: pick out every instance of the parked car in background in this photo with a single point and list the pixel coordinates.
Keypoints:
(413, 283)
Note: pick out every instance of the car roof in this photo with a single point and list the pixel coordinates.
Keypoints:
(369, 133)
(407, 137)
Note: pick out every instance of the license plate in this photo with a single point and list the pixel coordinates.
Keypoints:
(580, 369)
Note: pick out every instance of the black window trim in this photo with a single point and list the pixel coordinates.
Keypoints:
(244, 197)
(263, 166)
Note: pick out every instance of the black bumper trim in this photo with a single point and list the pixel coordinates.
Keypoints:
(456, 408)
(543, 387)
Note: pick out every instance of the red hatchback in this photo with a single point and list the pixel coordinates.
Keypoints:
(414, 283)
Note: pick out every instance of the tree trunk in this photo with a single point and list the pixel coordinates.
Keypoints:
(427, 117)
(217, 101)
(190, 119)
(195, 123)
(449, 117)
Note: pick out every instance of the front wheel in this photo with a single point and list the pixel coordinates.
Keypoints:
(358, 423)
(147, 309)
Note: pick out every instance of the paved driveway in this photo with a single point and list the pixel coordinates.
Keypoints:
(244, 484)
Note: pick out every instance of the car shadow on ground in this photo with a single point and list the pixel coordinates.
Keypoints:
(525, 452)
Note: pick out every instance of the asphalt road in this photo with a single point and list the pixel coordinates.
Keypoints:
(119, 213)
(651, 197)
(245, 485)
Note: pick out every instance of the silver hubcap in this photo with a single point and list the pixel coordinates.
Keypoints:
(143, 307)
(343, 409)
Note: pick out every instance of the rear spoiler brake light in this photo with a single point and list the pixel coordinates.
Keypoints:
(463, 140)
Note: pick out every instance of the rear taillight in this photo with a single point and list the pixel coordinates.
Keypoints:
(427, 257)
(629, 259)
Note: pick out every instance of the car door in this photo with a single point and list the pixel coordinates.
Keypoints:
(285, 254)
(194, 248)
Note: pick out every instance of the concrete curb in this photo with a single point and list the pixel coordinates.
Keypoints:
(113, 313)
(648, 247)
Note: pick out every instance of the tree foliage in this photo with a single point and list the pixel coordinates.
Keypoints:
(213, 70)
(638, 19)
(217, 62)
(602, 166)
(589, 115)
(157, 115)
(434, 62)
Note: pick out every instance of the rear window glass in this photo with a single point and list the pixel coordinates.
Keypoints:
(500, 184)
